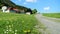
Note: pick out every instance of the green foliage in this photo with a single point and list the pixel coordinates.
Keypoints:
(56, 15)
(11, 4)
(16, 23)
(34, 11)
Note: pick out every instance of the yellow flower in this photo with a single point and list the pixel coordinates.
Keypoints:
(25, 31)
(28, 30)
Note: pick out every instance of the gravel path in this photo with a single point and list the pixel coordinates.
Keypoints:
(53, 27)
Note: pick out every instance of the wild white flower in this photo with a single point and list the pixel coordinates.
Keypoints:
(15, 33)
(5, 32)
(15, 30)
(10, 30)
(9, 25)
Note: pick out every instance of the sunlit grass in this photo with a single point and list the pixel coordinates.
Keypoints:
(12, 23)
(54, 15)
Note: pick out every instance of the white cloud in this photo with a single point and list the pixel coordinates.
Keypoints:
(46, 8)
(31, 0)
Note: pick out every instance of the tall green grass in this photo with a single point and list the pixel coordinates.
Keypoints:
(11, 23)
(54, 15)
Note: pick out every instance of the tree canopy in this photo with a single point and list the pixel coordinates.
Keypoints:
(11, 4)
(34, 11)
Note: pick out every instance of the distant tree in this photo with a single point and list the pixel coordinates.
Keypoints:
(34, 11)
(29, 10)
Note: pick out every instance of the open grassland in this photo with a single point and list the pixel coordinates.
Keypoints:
(11, 23)
(54, 15)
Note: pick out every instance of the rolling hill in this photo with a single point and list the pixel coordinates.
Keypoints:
(9, 3)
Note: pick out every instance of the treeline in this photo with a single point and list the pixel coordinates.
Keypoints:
(9, 3)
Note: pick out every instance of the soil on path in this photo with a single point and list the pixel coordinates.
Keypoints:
(52, 26)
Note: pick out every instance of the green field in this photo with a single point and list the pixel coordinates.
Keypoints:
(54, 15)
(11, 23)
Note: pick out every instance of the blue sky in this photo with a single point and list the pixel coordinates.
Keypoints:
(43, 6)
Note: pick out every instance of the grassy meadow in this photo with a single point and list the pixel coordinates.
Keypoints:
(54, 15)
(11, 23)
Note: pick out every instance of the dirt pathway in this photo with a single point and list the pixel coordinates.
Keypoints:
(54, 27)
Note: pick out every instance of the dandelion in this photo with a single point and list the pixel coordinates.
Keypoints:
(28, 30)
(25, 31)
